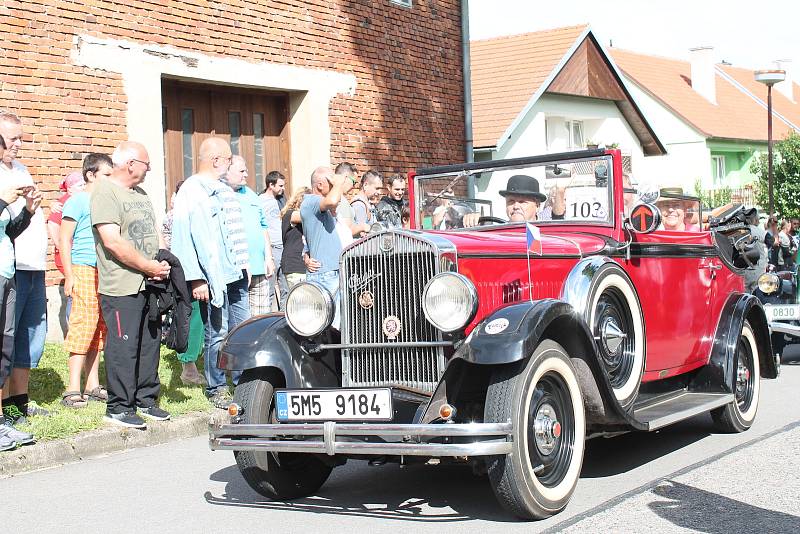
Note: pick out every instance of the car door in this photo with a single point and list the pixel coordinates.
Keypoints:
(674, 274)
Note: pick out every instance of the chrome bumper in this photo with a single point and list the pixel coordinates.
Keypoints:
(474, 439)
(784, 328)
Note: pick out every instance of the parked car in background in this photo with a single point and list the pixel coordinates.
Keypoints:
(777, 291)
(504, 345)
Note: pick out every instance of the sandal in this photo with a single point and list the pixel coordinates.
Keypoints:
(99, 394)
(73, 399)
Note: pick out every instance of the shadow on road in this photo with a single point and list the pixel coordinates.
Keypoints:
(448, 492)
(620, 454)
(414, 493)
(688, 507)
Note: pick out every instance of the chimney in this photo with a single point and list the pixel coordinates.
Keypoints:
(786, 87)
(703, 74)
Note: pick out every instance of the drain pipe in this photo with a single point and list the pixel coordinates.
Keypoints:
(467, 77)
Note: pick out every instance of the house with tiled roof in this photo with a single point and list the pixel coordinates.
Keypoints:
(553, 91)
(711, 117)
(560, 89)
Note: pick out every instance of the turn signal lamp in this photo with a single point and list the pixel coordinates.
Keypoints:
(447, 411)
(234, 410)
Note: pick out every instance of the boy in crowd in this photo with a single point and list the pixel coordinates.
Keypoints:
(87, 330)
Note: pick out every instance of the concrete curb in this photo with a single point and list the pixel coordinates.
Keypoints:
(101, 441)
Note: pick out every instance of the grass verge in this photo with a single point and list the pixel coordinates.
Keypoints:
(49, 381)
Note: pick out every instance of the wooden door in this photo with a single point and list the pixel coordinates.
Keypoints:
(255, 123)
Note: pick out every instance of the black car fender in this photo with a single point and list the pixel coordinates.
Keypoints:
(267, 341)
(719, 375)
(512, 333)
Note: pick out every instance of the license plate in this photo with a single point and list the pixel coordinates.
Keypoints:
(782, 312)
(334, 404)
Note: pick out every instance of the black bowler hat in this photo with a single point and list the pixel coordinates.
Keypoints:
(521, 185)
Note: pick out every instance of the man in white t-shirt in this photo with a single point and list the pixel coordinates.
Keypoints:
(31, 252)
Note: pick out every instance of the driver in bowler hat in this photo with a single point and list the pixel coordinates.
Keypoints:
(523, 199)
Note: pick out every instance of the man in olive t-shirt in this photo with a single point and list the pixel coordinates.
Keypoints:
(127, 241)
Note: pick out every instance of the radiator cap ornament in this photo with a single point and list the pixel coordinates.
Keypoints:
(392, 327)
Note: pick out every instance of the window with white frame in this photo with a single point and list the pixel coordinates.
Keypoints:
(404, 3)
(718, 169)
(575, 129)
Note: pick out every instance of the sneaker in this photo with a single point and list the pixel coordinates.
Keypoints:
(13, 414)
(221, 398)
(34, 410)
(6, 444)
(155, 413)
(128, 419)
(10, 433)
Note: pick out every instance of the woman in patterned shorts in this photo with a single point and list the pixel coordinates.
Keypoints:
(86, 327)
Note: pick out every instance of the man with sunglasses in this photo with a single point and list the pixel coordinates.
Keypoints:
(201, 238)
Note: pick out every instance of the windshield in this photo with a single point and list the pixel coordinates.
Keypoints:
(572, 191)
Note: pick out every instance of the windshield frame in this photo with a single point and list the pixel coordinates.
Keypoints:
(456, 173)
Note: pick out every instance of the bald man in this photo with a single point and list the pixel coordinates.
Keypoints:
(126, 242)
(325, 236)
(205, 242)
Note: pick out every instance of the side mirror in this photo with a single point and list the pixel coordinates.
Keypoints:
(644, 218)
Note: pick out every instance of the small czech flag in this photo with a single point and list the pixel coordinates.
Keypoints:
(534, 239)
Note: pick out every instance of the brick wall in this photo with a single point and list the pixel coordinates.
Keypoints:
(407, 110)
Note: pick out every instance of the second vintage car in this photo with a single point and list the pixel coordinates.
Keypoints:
(535, 303)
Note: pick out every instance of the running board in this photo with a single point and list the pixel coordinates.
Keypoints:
(668, 409)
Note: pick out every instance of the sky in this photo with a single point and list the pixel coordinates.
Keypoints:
(749, 34)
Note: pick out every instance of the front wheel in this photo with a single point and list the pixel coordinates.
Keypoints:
(279, 476)
(542, 399)
(739, 415)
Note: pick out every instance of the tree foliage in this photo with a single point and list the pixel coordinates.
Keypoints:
(785, 177)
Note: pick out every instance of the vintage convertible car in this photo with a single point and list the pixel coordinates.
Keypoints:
(504, 345)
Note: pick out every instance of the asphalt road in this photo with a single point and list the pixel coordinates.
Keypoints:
(682, 479)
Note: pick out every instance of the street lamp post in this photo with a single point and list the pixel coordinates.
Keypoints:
(770, 78)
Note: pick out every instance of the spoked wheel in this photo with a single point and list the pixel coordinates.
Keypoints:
(739, 415)
(542, 399)
(280, 476)
(618, 328)
(614, 330)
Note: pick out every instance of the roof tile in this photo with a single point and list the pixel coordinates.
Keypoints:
(736, 115)
(514, 67)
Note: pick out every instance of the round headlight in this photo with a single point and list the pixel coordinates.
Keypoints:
(768, 283)
(449, 301)
(309, 309)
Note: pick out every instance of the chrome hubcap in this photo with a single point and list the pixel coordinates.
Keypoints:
(612, 336)
(547, 429)
(742, 376)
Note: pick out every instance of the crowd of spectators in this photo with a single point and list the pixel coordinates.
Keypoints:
(236, 252)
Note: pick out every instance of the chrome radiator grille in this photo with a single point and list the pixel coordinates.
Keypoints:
(383, 277)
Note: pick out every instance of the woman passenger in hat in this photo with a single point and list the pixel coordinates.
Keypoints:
(675, 213)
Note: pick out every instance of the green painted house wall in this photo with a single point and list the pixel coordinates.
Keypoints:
(739, 156)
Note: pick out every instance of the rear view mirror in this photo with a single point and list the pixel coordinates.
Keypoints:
(644, 218)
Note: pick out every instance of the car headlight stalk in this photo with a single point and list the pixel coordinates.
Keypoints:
(309, 309)
(768, 283)
(449, 301)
